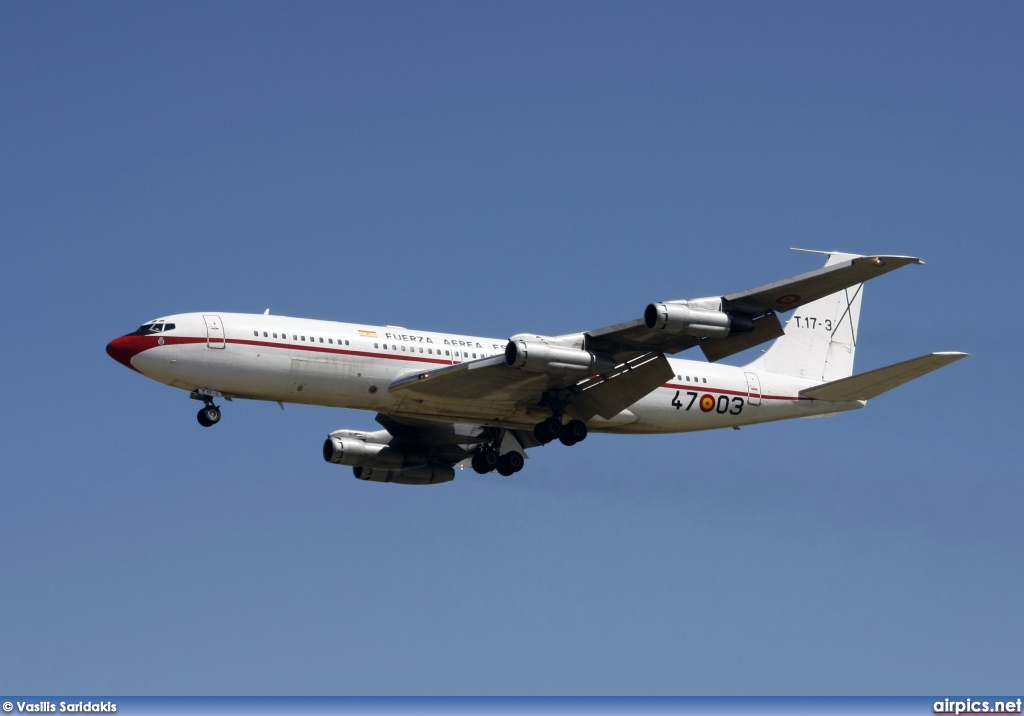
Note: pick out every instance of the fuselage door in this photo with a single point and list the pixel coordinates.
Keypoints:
(214, 332)
(753, 389)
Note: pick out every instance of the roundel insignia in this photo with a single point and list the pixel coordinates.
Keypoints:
(707, 403)
(787, 299)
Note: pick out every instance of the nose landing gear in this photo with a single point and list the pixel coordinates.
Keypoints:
(209, 414)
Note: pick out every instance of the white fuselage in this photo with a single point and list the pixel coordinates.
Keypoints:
(347, 365)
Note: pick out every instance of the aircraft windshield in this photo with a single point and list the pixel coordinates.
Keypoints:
(147, 328)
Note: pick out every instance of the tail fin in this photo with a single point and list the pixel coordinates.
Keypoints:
(821, 337)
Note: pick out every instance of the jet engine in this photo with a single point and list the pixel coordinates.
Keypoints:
(680, 318)
(355, 452)
(540, 357)
(425, 475)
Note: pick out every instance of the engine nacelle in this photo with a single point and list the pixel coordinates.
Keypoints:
(378, 437)
(425, 475)
(544, 358)
(350, 451)
(680, 319)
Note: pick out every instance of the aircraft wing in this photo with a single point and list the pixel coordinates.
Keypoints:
(759, 305)
(490, 388)
(628, 359)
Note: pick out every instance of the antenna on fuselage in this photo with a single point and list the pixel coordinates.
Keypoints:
(267, 312)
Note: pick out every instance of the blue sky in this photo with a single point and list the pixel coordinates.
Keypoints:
(495, 168)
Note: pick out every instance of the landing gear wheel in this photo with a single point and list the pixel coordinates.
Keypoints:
(510, 463)
(484, 461)
(515, 460)
(547, 430)
(208, 415)
(573, 432)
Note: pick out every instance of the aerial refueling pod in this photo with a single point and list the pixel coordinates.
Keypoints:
(350, 451)
(540, 357)
(425, 475)
(680, 319)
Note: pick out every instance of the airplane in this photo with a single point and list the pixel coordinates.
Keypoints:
(447, 401)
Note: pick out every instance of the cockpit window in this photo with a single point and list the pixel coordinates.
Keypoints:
(148, 328)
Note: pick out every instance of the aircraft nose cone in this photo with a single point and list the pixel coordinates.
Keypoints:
(123, 349)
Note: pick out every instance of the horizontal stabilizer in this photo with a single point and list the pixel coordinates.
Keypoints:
(875, 382)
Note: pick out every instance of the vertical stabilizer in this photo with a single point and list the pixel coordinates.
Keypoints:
(821, 337)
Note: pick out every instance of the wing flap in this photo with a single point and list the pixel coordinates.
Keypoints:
(609, 396)
(875, 382)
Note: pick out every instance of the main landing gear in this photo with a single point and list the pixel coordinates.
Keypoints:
(569, 434)
(487, 459)
(209, 414)
(546, 431)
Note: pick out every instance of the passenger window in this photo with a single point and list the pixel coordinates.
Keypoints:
(321, 339)
(331, 341)
(303, 338)
(447, 353)
(265, 334)
(346, 343)
(295, 337)
(394, 347)
(375, 345)
(275, 335)
(705, 380)
(256, 333)
(421, 350)
(403, 349)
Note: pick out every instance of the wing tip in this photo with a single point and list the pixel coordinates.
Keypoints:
(819, 251)
(908, 259)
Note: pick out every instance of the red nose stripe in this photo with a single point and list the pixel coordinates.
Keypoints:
(125, 348)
